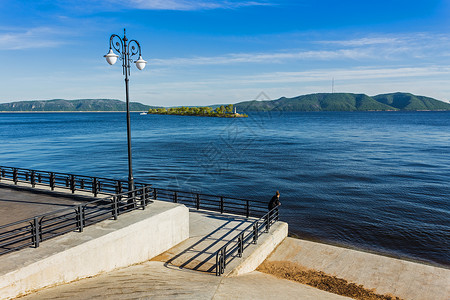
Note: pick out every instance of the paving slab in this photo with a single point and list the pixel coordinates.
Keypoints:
(153, 280)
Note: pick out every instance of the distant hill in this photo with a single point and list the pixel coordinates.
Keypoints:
(345, 102)
(406, 101)
(72, 105)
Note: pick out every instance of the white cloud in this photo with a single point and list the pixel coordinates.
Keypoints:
(351, 74)
(363, 41)
(410, 47)
(18, 39)
(186, 5)
(265, 57)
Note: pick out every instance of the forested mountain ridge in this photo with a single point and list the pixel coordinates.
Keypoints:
(72, 105)
(346, 102)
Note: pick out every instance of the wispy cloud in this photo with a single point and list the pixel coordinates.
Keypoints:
(19, 39)
(412, 39)
(381, 48)
(186, 5)
(363, 41)
(351, 74)
(264, 57)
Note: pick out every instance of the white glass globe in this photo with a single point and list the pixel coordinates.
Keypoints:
(111, 57)
(140, 63)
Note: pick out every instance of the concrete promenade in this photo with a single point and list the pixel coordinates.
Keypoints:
(172, 276)
(186, 272)
(181, 266)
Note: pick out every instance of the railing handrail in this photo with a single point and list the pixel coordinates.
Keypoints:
(79, 221)
(66, 174)
(113, 187)
(67, 209)
(211, 195)
(221, 261)
(136, 183)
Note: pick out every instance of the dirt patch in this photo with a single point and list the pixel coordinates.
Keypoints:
(295, 272)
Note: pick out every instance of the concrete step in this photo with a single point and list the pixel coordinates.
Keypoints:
(209, 231)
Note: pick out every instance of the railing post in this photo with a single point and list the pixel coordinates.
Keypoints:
(240, 244)
(115, 210)
(143, 197)
(255, 232)
(27, 175)
(72, 183)
(52, 181)
(80, 217)
(15, 175)
(224, 261)
(268, 221)
(218, 263)
(39, 178)
(197, 202)
(33, 179)
(94, 186)
(175, 197)
(155, 194)
(82, 184)
(118, 187)
(221, 205)
(35, 232)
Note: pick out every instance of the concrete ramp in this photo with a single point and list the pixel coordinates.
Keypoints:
(209, 231)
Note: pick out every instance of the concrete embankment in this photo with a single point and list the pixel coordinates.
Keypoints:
(385, 275)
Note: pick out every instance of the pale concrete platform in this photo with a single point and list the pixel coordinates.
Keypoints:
(386, 275)
(135, 237)
(21, 202)
(172, 276)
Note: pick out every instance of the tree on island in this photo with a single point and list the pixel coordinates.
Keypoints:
(204, 111)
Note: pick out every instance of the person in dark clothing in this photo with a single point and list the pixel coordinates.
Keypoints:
(275, 201)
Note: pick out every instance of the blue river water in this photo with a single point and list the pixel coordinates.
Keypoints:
(376, 181)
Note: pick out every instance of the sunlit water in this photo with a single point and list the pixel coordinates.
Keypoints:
(374, 180)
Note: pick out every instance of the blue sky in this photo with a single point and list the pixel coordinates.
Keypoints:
(208, 52)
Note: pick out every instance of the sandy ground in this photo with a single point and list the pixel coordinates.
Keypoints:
(295, 272)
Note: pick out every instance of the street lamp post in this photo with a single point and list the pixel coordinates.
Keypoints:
(126, 51)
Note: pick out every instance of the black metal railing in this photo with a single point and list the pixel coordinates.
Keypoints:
(17, 233)
(236, 246)
(32, 231)
(99, 185)
(72, 182)
(222, 204)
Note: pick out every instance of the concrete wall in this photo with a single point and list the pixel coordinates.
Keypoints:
(267, 243)
(135, 237)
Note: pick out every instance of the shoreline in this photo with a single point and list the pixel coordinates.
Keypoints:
(240, 115)
(74, 111)
(369, 251)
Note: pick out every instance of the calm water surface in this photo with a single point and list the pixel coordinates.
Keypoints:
(371, 180)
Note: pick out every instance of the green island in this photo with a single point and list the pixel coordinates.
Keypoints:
(202, 111)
